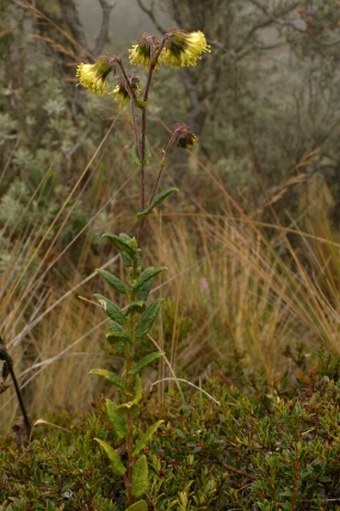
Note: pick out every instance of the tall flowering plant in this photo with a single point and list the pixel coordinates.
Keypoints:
(130, 325)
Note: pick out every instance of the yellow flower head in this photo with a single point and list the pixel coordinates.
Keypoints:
(141, 54)
(93, 76)
(184, 49)
(122, 92)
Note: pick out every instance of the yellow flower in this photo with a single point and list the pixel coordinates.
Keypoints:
(184, 49)
(93, 76)
(141, 54)
(122, 91)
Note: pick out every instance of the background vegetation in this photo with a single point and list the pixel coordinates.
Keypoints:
(252, 241)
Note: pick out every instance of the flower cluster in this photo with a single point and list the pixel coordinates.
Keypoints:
(177, 49)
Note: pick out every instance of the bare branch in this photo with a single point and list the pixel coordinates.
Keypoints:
(74, 22)
(103, 35)
(150, 13)
(273, 17)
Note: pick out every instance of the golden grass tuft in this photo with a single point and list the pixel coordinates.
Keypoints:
(230, 288)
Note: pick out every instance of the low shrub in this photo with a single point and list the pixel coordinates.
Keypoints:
(263, 448)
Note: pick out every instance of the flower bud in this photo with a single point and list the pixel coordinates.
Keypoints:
(183, 137)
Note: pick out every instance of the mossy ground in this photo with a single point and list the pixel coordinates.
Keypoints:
(264, 448)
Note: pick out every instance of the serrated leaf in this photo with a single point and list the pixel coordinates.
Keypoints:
(113, 280)
(123, 243)
(141, 505)
(117, 420)
(146, 437)
(140, 479)
(156, 202)
(143, 285)
(111, 309)
(117, 333)
(109, 376)
(145, 361)
(147, 319)
(116, 463)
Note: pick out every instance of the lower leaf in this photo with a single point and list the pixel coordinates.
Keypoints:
(141, 505)
(116, 463)
(140, 479)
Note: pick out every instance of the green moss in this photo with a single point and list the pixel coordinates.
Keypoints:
(262, 449)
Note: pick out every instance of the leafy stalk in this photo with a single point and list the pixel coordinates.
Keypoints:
(130, 326)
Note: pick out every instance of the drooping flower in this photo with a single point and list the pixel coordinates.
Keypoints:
(141, 54)
(183, 137)
(93, 76)
(123, 91)
(184, 49)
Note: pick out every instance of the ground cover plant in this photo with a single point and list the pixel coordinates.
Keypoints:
(261, 449)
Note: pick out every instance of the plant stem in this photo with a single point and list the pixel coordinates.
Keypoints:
(129, 422)
(130, 388)
(152, 68)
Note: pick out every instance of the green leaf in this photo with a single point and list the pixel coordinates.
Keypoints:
(117, 465)
(109, 376)
(140, 477)
(143, 292)
(113, 280)
(117, 333)
(156, 202)
(117, 345)
(127, 260)
(117, 420)
(141, 505)
(135, 307)
(146, 437)
(138, 395)
(143, 285)
(111, 309)
(135, 157)
(145, 361)
(148, 273)
(147, 319)
(123, 243)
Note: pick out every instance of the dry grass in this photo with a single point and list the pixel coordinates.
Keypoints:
(240, 294)
(229, 288)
